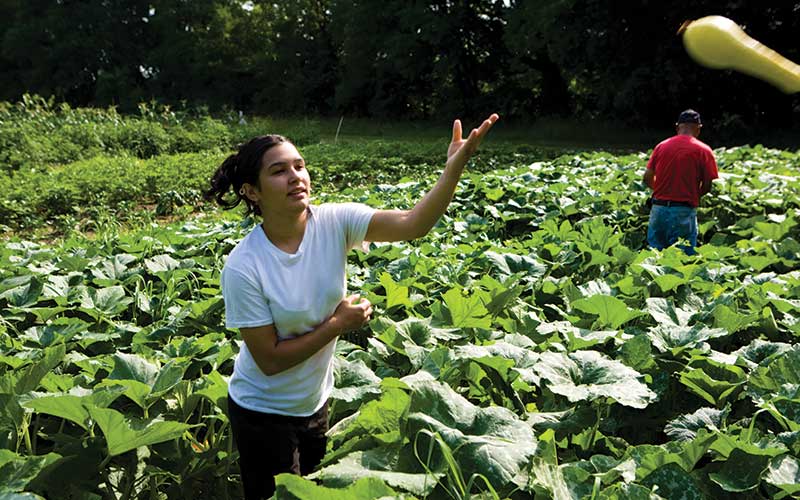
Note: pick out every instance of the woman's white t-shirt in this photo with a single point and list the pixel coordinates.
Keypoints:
(263, 285)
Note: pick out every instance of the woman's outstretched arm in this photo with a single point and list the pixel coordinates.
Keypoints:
(400, 225)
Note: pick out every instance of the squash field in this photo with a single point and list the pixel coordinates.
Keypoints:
(530, 346)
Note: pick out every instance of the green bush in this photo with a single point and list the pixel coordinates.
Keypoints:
(35, 132)
(58, 164)
(32, 198)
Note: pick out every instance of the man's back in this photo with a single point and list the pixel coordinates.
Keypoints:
(682, 164)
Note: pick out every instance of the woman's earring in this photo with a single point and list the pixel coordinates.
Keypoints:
(241, 191)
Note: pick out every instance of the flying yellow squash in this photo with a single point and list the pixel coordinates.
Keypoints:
(717, 42)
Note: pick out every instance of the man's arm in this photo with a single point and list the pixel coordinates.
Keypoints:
(709, 173)
(705, 186)
(649, 177)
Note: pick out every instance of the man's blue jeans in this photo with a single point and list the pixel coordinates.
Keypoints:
(669, 224)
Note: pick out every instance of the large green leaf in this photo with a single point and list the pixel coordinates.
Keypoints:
(21, 291)
(741, 472)
(677, 338)
(11, 420)
(107, 301)
(163, 263)
(29, 377)
(686, 454)
(752, 444)
(136, 391)
(466, 311)
(376, 423)
(509, 264)
(396, 295)
(782, 370)
(611, 312)
(136, 368)
(383, 464)
(685, 427)
(760, 352)
(72, 407)
(113, 270)
(670, 481)
(168, 377)
(124, 434)
(608, 469)
(489, 441)
(564, 482)
(523, 359)
(17, 471)
(214, 388)
(59, 330)
(732, 321)
(784, 473)
(637, 352)
(564, 423)
(667, 278)
(354, 380)
(590, 375)
(412, 331)
(715, 382)
(290, 486)
(489, 372)
(664, 312)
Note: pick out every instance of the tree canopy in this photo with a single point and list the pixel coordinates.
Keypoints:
(620, 60)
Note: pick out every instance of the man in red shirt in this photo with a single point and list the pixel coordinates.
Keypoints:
(679, 172)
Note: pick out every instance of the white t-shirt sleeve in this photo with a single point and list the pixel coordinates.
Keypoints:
(355, 218)
(245, 303)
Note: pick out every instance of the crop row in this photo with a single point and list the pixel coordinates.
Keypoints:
(530, 345)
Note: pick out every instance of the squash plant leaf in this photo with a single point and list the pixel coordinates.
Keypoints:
(292, 487)
(490, 441)
(387, 464)
(466, 311)
(124, 434)
(673, 482)
(590, 375)
(611, 312)
(18, 471)
(21, 291)
(784, 473)
(685, 427)
(65, 406)
(741, 472)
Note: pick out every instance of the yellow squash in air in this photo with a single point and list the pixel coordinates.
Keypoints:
(718, 42)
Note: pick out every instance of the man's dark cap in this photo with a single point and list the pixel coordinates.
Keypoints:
(689, 116)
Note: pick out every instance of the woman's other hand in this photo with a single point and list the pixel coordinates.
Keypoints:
(352, 313)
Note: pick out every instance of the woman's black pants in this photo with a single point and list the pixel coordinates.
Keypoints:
(270, 444)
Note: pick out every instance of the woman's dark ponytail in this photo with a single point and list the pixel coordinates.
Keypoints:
(221, 183)
(240, 168)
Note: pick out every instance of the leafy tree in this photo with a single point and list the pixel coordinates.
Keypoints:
(71, 48)
(297, 73)
(624, 60)
(618, 61)
(417, 58)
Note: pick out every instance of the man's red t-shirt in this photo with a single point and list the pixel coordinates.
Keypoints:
(681, 163)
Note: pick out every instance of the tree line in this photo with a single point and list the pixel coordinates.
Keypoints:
(616, 60)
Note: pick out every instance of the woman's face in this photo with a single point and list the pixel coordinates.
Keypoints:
(284, 183)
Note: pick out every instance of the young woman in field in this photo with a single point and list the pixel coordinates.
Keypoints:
(284, 289)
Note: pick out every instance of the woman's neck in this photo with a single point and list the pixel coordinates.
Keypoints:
(284, 232)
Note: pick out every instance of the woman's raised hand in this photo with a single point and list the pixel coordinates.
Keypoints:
(461, 149)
